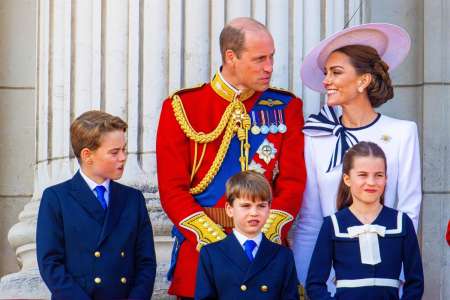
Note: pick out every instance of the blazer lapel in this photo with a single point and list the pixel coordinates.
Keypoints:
(267, 250)
(85, 197)
(115, 208)
(233, 250)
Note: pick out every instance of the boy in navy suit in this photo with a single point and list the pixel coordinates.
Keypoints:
(246, 265)
(94, 238)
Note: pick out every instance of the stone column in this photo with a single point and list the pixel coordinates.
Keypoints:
(90, 56)
(125, 57)
(436, 145)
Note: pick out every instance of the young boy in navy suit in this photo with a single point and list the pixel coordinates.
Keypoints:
(246, 265)
(94, 238)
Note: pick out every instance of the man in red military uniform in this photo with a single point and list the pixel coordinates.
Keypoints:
(210, 132)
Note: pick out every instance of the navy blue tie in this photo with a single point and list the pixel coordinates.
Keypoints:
(249, 245)
(100, 189)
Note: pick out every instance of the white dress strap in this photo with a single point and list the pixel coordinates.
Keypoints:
(399, 225)
(354, 283)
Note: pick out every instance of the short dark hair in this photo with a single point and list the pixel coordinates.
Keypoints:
(88, 129)
(366, 59)
(362, 149)
(232, 36)
(250, 185)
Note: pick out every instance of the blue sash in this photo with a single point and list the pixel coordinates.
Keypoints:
(230, 166)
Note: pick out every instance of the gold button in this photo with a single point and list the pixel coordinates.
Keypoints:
(243, 287)
(97, 280)
(123, 280)
(122, 254)
(264, 288)
(97, 254)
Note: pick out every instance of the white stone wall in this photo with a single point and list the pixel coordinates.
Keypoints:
(126, 56)
(436, 148)
(17, 117)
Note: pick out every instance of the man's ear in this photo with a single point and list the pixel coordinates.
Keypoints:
(230, 56)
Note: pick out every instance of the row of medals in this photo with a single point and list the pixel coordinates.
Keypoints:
(276, 124)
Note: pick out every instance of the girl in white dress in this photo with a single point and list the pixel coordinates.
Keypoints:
(352, 68)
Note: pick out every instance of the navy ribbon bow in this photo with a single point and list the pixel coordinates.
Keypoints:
(328, 123)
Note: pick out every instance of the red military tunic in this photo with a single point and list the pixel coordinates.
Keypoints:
(176, 155)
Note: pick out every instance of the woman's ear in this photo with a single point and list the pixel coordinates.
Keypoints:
(364, 81)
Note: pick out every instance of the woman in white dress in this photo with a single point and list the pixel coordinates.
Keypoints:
(352, 68)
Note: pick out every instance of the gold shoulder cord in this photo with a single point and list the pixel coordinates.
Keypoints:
(234, 120)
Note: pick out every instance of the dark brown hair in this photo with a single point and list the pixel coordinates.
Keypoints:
(362, 149)
(365, 59)
(250, 185)
(88, 129)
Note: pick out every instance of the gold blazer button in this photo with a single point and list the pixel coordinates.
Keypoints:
(123, 280)
(243, 287)
(97, 280)
(122, 254)
(97, 254)
(264, 288)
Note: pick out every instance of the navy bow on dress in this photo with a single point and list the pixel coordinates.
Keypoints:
(328, 123)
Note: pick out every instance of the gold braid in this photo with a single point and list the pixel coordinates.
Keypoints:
(234, 119)
(199, 137)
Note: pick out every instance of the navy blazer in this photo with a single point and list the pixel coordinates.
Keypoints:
(224, 272)
(86, 253)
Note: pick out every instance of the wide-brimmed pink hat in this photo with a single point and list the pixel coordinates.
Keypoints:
(391, 41)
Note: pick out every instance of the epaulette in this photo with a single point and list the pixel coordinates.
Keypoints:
(283, 91)
(191, 88)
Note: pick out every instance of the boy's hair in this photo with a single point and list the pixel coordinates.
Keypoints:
(362, 149)
(250, 185)
(88, 129)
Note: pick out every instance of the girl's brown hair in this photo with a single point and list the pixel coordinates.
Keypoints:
(365, 59)
(362, 149)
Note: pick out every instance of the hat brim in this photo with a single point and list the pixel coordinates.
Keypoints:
(391, 42)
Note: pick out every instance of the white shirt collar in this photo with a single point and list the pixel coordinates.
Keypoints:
(242, 238)
(92, 184)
